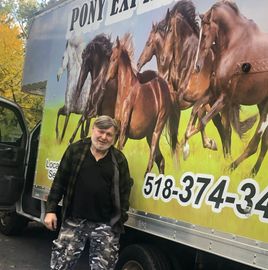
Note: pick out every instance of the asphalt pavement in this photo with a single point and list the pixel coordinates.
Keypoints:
(31, 250)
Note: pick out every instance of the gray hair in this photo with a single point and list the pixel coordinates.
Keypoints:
(105, 122)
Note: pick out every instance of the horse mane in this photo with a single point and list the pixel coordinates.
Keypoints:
(229, 3)
(161, 26)
(187, 9)
(127, 48)
(102, 42)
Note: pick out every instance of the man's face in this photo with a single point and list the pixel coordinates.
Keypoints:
(102, 139)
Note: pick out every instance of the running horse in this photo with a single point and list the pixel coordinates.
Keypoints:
(154, 47)
(165, 44)
(74, 103)
(101, 97)
(142, 109)
(241, 57)
(95, 60)
(179, 52)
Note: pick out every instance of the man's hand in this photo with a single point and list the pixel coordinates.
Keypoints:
(51, 221)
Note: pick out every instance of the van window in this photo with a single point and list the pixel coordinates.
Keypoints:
(10, 129)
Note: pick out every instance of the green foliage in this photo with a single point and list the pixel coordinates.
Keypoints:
(32, 106)
(10, 130)
(20, 12)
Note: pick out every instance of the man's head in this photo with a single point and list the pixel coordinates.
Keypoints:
(104, 132)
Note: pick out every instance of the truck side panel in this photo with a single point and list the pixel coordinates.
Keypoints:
(198, 201)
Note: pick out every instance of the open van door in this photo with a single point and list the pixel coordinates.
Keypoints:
(14, 138)
(13, 151)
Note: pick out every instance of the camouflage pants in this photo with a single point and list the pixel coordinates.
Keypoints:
(67, 248)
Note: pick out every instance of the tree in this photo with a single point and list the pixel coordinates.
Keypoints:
(11, 58)
(11, 66)
(20, 12)
(15, 20)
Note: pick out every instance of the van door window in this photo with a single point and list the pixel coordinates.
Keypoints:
(10, 129)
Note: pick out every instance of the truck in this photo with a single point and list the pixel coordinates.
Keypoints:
(199, 210)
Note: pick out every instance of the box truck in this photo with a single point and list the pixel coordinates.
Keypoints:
(201, 205)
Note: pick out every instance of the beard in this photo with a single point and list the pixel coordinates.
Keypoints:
(99, 145)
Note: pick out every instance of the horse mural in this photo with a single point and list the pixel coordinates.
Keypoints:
(179, 51)
(154, 47)
(102, 96)
(142, 109)
(74, 102)
(95, 60)
(175, 57)
(179, 33)
(240, 69)
(180, 47)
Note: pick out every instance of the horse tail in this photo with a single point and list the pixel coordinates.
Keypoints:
(173, 127)
(241, 127)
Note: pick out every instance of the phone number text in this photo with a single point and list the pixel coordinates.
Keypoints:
(197, 189)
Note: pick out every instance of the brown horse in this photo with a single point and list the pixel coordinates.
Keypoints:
(179, 51)
(142, 109)
(180, 46)
(175, 55)
(102, 97)
(154, 47)
(241, 57)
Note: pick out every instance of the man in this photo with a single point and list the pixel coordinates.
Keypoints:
(93, 179)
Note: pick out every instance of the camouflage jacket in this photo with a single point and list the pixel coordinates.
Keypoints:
(64, 183)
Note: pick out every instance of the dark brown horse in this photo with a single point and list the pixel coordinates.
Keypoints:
(142, 109)
(179, 53)
(95, 60)
(173, 42)
(180, 46)
(241, 57)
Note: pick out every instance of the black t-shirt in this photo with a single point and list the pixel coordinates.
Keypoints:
(92, 194)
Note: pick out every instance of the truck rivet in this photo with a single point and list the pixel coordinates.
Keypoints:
(246, 67)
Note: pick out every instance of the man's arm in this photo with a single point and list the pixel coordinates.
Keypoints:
(125, 185)
(58, 189)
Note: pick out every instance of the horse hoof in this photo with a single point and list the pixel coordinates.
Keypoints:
(213, 145)
(186, 151)
(232, 167)
(253, 172)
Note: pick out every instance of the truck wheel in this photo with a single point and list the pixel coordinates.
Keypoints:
(142, 257)
(12, 223)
